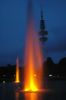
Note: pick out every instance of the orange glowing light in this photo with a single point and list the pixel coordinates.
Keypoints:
(31, 96)
(17, 71)
(33, 61)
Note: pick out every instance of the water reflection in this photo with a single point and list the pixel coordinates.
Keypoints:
(28, 96)
(57, 92)
(17, 95)
(32, 96)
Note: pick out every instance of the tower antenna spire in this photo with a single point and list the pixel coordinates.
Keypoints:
(43, 33)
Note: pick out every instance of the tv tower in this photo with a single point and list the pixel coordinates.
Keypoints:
(43, 33)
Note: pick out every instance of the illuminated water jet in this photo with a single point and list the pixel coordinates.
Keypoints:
(17, 71)
(33, 60)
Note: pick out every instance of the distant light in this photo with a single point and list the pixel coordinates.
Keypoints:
(50, 75)
(3, 81)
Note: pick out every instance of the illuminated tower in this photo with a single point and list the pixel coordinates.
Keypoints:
(43, 33)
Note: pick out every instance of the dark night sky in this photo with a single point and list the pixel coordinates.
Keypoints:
(13, 23)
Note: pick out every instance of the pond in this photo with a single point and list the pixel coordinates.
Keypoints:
(56, 91)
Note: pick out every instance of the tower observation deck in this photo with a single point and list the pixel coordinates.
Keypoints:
(43, 33)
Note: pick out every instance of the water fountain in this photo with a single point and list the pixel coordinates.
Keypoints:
(33, 58)
(17, 71)
(33, 62)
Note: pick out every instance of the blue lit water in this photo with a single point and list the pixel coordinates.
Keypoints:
(57, 92)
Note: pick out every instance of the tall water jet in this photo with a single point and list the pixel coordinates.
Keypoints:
(33, 58)
(17, 71)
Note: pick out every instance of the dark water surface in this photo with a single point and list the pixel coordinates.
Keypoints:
(56, 91)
